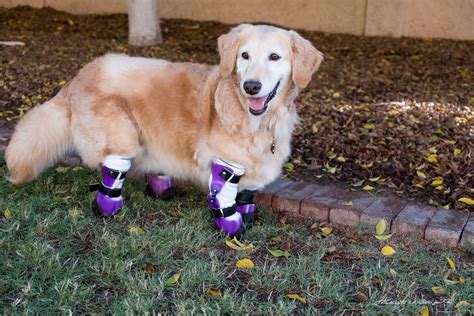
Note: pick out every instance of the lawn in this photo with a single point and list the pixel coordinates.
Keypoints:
(56, 256)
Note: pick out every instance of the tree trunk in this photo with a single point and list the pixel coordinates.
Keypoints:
(143, 23)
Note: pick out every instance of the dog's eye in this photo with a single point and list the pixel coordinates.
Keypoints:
(245, 55)
(274, 57)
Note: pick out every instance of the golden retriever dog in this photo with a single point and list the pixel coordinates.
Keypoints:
(226, 127)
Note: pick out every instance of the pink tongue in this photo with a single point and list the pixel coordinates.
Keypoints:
(257, 103)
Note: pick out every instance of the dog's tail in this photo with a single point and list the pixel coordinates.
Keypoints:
(40, 139)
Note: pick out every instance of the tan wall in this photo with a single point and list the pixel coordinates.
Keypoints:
(415, 18)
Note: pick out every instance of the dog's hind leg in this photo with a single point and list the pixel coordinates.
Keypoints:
(160, 186)
(107, 137)
(223, 186)
(108, 200)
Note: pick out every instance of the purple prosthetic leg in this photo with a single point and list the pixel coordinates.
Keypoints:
(223, 184)
(160, 187)
(246, 206)
(108, 200)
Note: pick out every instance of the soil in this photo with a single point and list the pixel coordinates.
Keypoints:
(382, 114)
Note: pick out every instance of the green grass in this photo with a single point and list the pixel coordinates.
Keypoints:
(56, 256)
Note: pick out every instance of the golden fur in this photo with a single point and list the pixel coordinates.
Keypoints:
(171, 118)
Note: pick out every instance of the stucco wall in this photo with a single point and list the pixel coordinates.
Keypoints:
(415, 18)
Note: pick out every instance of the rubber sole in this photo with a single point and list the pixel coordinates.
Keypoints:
(96, 210)
(167, 194)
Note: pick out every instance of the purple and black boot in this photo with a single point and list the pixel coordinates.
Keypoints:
(160, 187)
(108, 200)
(246, 206)
(223, 186)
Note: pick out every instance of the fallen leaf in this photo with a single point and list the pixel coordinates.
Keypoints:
(237, 245)
(279, 253)
(432, 158)
(368, 188)
(374, 179)
(347, 203)
(436, 182)
(214, 292)
(289, 166)
(404, 260)
(466, 200)
(393, 272)
(341, 159)
(387, 251)
(457, 152)
(326, 231)
(244, 263)
(360, 297)
(380, 227)
(7, 213)
(451, 263)
(173, 279)
(330, 169)
(136, 230)
(438, 290)
(369, 126)
(150, 269)
(296, 297)
(462, 304)
(425, 311)
(447, 280)
(74, 212)
(421, 174)
(383, 237)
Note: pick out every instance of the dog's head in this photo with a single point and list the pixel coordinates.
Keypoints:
(266, 60)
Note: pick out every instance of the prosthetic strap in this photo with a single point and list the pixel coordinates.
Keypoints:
(113, 193)
(245, 202)
(223, 212)
(105, 190)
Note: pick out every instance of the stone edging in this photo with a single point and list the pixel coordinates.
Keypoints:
(327, 204)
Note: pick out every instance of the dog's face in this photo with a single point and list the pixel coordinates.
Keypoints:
(266, 60)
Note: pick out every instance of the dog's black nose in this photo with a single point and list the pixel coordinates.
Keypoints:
(252, 87)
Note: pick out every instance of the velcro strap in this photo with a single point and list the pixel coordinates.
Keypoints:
(104, 190)
(117, 175)
(223, 212)
(229, 176)
(245, 197)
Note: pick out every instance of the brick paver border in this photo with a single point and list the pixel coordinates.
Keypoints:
(344, 208)
(339, 207)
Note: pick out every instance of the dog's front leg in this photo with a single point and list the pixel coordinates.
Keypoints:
(246, 206)
(223, 187)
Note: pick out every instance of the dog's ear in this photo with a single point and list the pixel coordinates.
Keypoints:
(228, 45)
(306, 59)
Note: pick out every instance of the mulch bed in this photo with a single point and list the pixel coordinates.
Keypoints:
(382, 114)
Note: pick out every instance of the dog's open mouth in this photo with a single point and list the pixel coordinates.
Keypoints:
(258, 106)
